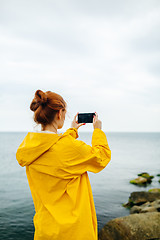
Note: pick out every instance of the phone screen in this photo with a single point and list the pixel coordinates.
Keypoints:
(85, 117)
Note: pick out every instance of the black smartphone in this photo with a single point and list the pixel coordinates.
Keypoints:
(85, 117)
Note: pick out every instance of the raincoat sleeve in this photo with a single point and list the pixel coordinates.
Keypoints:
(84, 157)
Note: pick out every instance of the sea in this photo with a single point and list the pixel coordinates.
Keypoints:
(132, 153)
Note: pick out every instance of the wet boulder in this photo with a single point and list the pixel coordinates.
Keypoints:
(139, 198)
(146, 175)
(139, 181)
(154, 190)
(132, 227)
(146, 207)
(143, 179)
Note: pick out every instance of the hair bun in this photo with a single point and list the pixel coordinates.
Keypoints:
(39, 99)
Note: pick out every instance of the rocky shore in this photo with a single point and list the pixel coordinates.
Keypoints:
(142, 202)
(144, 226)
(143, 223)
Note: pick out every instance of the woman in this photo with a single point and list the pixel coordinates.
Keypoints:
(56, 167)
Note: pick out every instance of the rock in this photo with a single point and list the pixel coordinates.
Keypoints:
(126, 205)
(154, 190)
(139, 181)
(138, 209)
(139, 198)
(143, 179)
(146, 207)
(146, 175)
(156, 204)
(135, 209)
(133, 227)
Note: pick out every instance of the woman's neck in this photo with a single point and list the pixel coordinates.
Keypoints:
(51, 128)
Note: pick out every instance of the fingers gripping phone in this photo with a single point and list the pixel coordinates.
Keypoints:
(85, 117)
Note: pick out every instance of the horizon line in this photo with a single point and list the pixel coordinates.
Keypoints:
(88, 131)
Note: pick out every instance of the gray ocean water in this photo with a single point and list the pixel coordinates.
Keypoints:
(132, 153)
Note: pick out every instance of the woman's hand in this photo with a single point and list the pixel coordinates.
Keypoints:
(96, 122)
(75, 124)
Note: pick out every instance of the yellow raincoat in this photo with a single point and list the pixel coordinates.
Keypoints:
(56, 167)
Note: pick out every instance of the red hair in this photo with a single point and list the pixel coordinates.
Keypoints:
(45, 105)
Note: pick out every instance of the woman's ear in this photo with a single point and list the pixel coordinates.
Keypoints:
(60, 114)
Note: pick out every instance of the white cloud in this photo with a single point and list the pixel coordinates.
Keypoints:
(101, 56)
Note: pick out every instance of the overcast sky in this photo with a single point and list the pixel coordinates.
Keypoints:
(101, 56)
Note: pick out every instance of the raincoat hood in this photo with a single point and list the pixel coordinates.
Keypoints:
(34, 145)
